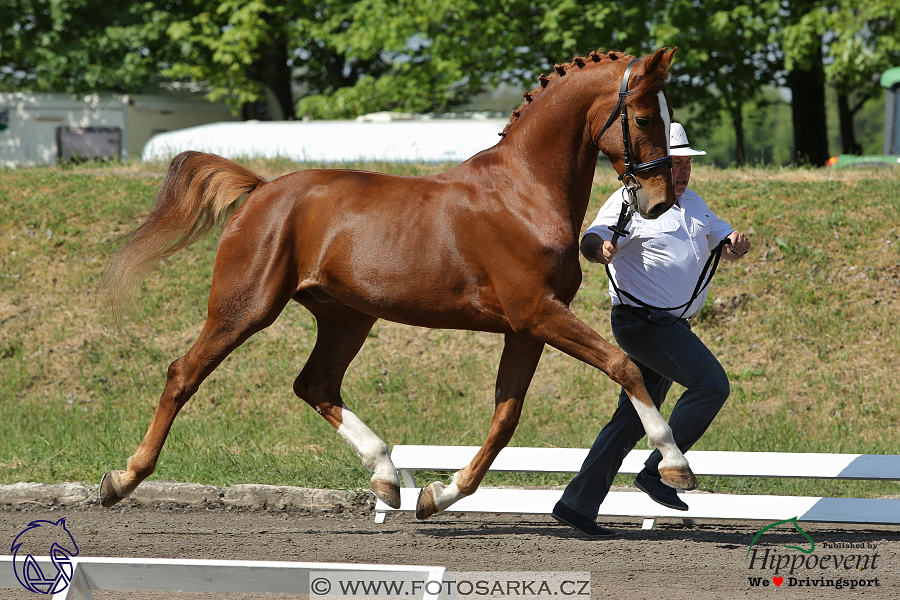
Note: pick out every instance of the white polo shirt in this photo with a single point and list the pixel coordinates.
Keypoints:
(660, 261)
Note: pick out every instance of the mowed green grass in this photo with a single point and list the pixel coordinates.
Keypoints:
(806, 325)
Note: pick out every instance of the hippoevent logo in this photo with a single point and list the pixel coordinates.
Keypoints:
(44, 538)
(838, 565)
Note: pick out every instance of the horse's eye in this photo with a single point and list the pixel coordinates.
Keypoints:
(642, 121)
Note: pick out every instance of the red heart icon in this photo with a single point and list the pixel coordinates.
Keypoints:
(778, 580)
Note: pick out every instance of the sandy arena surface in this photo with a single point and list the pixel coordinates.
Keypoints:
(672, 561)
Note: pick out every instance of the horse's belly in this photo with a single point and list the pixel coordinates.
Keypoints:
(414, 302)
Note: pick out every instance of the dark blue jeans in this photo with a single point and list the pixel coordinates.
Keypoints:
(666, 350)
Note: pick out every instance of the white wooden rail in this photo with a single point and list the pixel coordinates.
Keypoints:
(408, 459)
(217, 576)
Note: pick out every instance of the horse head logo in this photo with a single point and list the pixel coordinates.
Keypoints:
(793, 520)
(44, 538)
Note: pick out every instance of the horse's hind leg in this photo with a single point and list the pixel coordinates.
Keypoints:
(341, 333)
(239, 306)
(183, 379)
(517, 364)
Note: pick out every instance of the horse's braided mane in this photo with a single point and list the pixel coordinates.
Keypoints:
(644, 84)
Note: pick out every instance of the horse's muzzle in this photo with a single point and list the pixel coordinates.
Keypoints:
(656, 210)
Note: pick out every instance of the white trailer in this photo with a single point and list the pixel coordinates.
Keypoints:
(42, 128)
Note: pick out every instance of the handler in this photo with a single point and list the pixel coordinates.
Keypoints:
(653, 269)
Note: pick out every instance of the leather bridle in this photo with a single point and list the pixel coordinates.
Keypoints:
(628, 179)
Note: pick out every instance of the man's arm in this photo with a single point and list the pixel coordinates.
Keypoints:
(597, 250)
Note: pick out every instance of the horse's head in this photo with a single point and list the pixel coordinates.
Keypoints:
(44, 538)
(648, 119)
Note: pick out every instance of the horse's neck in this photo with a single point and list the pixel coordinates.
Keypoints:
(551, 146)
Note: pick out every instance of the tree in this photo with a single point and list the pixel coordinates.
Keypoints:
(863, 40)
(434, 54)
(342, 58)
(417, 56)
(844, 42)
(722, 72)
(439, 53)
(80, 46)
(240, 49)
(244, 51)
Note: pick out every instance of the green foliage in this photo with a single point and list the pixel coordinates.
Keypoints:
(343, 58)
(221, 42)
(767, 129)
(80, 46)
(769, 137)
(847, 43)
(862, 38)
(724, 73)
(435, 55)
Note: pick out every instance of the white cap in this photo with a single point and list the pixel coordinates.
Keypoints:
(678, 142)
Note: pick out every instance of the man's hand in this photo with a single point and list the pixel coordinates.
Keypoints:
(607, 252)
(597, 250)
(739, 246)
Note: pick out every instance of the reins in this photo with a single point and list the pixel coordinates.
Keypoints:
(706, 275)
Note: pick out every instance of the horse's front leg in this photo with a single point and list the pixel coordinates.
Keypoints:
(557, 326)
(517, 364)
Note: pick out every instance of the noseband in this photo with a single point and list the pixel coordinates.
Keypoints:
(627, 177)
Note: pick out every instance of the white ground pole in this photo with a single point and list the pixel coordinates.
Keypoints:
(221, 576)
(409, 459)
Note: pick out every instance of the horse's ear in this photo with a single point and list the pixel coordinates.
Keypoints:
(660, 60)
(667, 58)
(656, 61)
(61, 522)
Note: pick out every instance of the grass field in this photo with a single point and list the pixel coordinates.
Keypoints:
(806, 326)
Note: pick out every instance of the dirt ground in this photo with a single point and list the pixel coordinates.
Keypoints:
(672, 561)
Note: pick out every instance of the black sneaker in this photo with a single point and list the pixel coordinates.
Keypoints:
(660, 492)
(567, 516)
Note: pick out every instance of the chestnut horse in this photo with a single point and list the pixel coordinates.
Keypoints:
(490, 245)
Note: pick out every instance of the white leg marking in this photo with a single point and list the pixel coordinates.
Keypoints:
(372, 451)
(659, 435)
(445, 495)
(664, 113)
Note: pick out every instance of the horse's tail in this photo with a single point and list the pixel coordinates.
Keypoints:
(200, 192)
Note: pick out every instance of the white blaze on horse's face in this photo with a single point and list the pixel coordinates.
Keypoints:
(664, 114)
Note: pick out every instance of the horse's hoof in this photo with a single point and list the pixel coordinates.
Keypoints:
(108, 494)
(425, 506)
(387, 492)
(681, 478)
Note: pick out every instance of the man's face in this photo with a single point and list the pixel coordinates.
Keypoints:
(681, 173)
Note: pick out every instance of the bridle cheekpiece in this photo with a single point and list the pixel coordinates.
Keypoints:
(627, 177)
